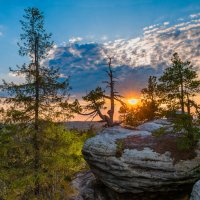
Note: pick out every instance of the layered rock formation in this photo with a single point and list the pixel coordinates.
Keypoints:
(136, 162)
(196, 191)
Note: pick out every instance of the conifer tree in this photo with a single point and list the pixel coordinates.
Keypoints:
(179, 84)
(150, 102)
(146, 110)
(42, 93)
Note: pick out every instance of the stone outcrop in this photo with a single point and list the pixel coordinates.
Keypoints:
(136, 162)
(89, 188)
(196, 191)
(83, 184)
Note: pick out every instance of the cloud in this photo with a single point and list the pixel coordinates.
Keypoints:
(104, 38)
(75, 39)
(1, 33)
(150, 27)
(180, 19)
(195, 15)
(134, 59)
(9, 77)
(166, 23)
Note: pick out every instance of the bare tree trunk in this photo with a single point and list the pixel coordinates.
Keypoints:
(112, 94)
(182, 95)
(188, 105)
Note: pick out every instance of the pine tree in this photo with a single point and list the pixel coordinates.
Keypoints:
(150, 102)
(146, 110)
(179, 84)
(42, 93)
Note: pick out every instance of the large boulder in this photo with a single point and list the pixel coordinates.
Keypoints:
(89, 188)
(196, 191)
(137, 162)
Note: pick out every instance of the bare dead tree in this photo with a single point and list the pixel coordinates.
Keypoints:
(96, 99)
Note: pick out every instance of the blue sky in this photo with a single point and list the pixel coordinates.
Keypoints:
(93, 20)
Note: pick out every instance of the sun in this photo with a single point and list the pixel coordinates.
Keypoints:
(132, 101)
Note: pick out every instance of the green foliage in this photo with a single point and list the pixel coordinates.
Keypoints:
(188, 134)
(150, 104)
(185, 143)
(131, 116)
(120, 148)
(39, 155)
(147, 110)
(43, 92)
(183, 124)
(178, 84)
(159, 132)
(61, 158)
(95, 98)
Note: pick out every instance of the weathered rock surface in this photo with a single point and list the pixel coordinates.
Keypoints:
(83, 183)
(147, 164)
(196, 191)
(89, 188)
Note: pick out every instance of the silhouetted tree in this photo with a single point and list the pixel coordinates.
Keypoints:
(146, 110)
(178, 84)
(97, 99)
(150, 102)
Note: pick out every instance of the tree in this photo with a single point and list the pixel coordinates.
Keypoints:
(178, 84)
(42, 93)
(97, 99)
(150, 103)
(147, 110)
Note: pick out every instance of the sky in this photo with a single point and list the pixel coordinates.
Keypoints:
(92, 20)
(141, 33)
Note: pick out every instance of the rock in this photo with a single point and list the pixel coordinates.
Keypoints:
(146, 164)
(154, 125)
(196, 191)
(89, 188)
(83, 184)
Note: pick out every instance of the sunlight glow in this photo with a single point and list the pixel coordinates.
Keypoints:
(133, 101)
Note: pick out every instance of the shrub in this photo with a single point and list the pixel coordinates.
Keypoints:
(120, 148)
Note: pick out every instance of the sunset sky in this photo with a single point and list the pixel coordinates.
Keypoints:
(141, 34)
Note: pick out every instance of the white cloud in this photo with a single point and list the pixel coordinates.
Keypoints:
(150, 27)
(151, 31)
(196, 20)
(158, 44)
(166, 23)
(75, 39)
(195, 15)
(1, 33)
(75, 52)
(153, 50)
(63, 76)
(104, 38)
(190, 27)
(11, 77)
(180, 19)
